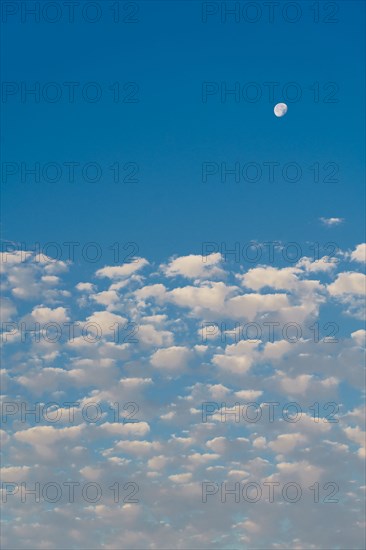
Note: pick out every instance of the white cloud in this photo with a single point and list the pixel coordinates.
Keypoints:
(151, 291)
(174, 358)
(218, 391)
(42, 435)
(158, 462)
(108, 322)
(127, 429)
(260, 442)
(50, 279)
(217, 444)
(358, 436)
(131, 383)
(359, 253)
(297, 385)
(148, 334)
(348, 283)
(302, 470)
(85, 287)
(108, 298)
(324, 264)
(11, 473)
(330, 222)
(122, 271)
(210, 296)
(279, 279)
(45, 315)
(285, 443)
(248, 306)
(231, 362)
(359, 336)
(194, 266)
(199, 459)
(138, 447)
(249, 395)
(169, 449)
(181, 478)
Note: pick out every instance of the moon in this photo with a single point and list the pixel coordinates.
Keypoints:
(280, 109)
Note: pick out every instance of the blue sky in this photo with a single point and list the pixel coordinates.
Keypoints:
(173, 132)
(170, 132)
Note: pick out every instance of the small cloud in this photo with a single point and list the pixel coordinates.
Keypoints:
(329, 222)
(359, 253)
(194, 266)
(122, 271)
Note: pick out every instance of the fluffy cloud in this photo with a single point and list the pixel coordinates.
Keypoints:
(171, 359)
(359, 253)
(348, 283)
(181, 478)
(194, 266)
(151, 393)
(285, 443)
(238, 358)
(122, 271)
(45, 315)
(360, 337)
(279, 279)
(358, 436)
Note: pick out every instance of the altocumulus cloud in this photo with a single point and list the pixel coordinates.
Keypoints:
(150, 345)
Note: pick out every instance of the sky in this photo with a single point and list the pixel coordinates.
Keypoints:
(163, 205)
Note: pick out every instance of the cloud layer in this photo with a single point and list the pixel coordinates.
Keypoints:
(164, 391)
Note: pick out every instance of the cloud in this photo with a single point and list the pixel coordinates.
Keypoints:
(122, 271)
(158, 462)
(171, 359)
(108, 298)
(148, 334)
(31, 276)
(194, 266)
(181, 478)
(297, 385)
(358, 436)
(330, 222)
(359, 253)
(279, 279)
(260, 442)
(303, 471)
(249, 395)
(285, 443)
(218, 391)
(43, 435)
(157, 291)
(348, 283)
(248, 306)
(45, 315)
(199, 459)
(107, 322)
(167, 448)
(85, 287)
(237, 359)
(324, 264)
(10, 473)
(209, 296)
(130, 428)
(359, 336)
(138, 447)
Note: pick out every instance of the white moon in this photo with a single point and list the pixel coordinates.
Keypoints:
(280, 109)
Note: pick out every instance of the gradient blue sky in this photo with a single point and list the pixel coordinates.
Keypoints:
(170, 132)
